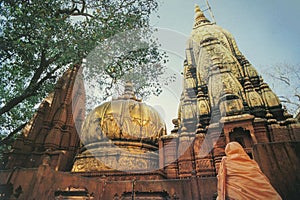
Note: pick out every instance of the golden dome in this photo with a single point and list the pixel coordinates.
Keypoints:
(125, 118)
(121, 135)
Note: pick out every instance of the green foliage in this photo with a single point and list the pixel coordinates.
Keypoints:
(39, 39)
(128, 56)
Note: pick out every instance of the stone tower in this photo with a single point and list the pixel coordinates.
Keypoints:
(52, 132)
(224, 99)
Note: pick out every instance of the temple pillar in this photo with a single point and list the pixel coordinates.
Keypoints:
(260, 130)
(186, 160)
(168, 155)
(203, 157)
(218, 141)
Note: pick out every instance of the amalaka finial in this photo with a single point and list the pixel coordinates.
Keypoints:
(197, 8)
(199, 16)
(198, 12)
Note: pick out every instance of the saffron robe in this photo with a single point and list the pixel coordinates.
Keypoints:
(240, 177)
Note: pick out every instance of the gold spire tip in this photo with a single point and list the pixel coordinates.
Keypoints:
(198, 10)
(199, 16)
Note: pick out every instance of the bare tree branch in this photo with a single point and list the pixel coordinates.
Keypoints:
(287, 100)
(285, 81)
(298, 95)
(281, 78)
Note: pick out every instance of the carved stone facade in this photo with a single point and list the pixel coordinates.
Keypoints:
(128, 155)
(52, 130)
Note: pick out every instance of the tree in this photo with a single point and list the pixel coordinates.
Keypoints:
(284, 80)
(39, 39)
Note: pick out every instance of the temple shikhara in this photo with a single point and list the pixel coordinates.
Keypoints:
(122, 150)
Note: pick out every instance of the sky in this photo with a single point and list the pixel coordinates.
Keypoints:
(267, 33)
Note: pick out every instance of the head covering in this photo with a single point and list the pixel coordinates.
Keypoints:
(235, 149)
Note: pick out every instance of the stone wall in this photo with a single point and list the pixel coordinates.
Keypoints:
(280, 162)
(45, 183)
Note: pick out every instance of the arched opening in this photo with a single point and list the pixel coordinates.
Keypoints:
(243, 137)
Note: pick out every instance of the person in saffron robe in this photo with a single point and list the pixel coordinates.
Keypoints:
(240, 177)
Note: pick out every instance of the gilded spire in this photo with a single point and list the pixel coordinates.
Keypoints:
(129, 92)
(199, 17)
(129, 88)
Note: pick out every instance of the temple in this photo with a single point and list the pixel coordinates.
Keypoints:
(122, 149)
